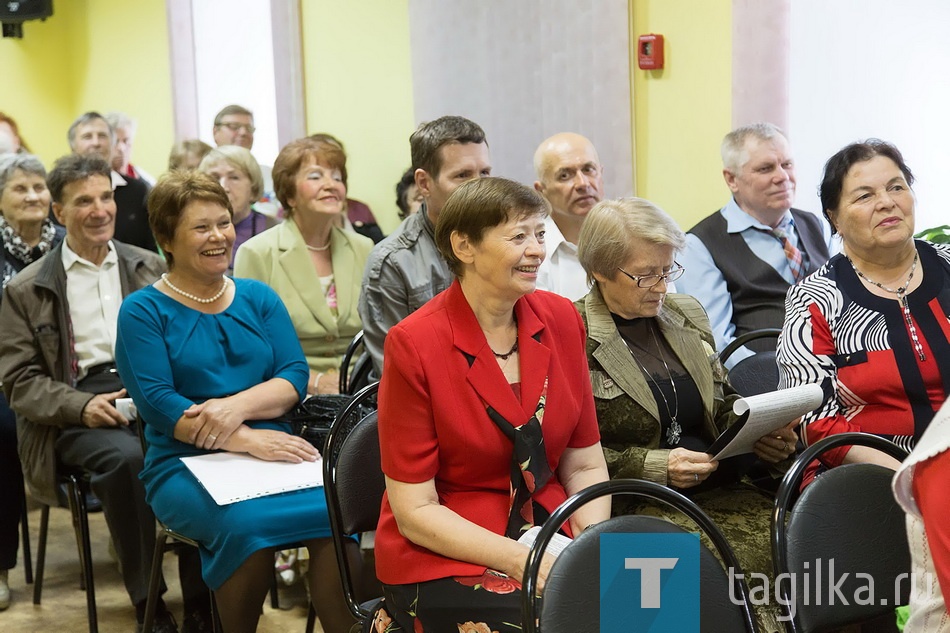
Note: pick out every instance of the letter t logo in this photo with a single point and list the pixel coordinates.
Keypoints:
(650, 569)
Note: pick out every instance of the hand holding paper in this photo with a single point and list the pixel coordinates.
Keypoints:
(763, 415)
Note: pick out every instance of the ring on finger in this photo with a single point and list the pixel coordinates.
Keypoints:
(696, 476)
(213, 437)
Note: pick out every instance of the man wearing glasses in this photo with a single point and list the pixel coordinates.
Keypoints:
(234, 125)
(741, 260)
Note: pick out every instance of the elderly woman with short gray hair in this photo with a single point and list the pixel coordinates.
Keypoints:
(238, 173)
(661, 394)
(27, 235)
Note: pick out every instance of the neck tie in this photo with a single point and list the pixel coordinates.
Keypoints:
(794, 256)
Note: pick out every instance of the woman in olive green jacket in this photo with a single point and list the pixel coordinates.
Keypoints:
(661, 394)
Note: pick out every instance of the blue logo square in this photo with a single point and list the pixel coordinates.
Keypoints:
(649, 583)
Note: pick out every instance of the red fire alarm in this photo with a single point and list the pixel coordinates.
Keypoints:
(650, 52)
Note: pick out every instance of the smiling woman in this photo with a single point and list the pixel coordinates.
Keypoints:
(236, 170)
(313, 265)
(472, 373)
(212, 365)
(871, 326)
(27, 235)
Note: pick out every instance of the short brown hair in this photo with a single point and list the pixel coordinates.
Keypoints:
(432, 136)
(479, 205)
(232, 109)
(73, 168)
(172, 193)
(329, 139)
(292, 157)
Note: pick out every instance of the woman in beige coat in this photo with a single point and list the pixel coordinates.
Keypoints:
(314, 266)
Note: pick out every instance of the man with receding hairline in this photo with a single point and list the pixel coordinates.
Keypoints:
(570, 177)
(91, 134)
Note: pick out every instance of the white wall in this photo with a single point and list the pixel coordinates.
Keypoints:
(526, 70)
(872, 68)
(234, 63)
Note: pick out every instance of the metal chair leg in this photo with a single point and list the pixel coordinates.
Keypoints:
(25, 537)
(41, 555)
(274, 599)
(154, 581)
(311, 617)
(77, 496)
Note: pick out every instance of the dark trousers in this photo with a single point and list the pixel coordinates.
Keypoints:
(113, 458)
(11, 487)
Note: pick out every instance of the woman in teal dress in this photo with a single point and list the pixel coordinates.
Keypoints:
(210, 362)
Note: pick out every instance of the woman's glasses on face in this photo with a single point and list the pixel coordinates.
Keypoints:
(648, 281)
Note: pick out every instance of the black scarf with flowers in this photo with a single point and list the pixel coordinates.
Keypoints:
(17, 253)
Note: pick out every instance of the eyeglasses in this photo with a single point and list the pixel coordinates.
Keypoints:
(648, 281)
(236, 127)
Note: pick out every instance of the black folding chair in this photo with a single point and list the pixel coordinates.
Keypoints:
(354, 484)
(355, 374)
(571, 600)
(74, 493)
(847, 515)
(757, 373)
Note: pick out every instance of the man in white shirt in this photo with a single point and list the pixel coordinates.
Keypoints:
(57, 366)
(570, 177)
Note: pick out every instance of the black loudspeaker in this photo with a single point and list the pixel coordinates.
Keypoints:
(12, 11)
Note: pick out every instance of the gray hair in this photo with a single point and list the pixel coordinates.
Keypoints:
(88, 117)
(27, 163)
(609, 234)
(239, 158)
(121, 119)
(733, 148)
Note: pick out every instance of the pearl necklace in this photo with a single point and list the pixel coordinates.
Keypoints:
(902, 299)
(195, 298)
(317, 249)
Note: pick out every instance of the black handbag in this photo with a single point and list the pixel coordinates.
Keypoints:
(312, 418)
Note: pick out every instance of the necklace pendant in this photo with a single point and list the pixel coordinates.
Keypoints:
(673, 433)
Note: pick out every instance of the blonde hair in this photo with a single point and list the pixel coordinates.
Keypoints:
(607, 238)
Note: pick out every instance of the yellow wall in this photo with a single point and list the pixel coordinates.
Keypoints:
(38, 83)
(682, 112)
(358, 77)
(91, 55)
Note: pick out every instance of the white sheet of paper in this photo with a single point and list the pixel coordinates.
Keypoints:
(555, 546)
(232, 477)
(768, 412)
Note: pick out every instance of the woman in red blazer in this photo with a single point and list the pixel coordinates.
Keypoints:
(486, 421)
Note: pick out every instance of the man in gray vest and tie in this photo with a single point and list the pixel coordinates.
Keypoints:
(741, 260)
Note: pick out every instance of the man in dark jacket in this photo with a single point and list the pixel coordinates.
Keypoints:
(57, 365)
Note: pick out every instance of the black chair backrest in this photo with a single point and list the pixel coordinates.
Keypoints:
(345, 365)
(755, 374)
(353, 482)
(571, 600)
(362, 373)
(739, 341)
(846, 522)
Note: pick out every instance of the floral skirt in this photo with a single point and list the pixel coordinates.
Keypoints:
(490, 603)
